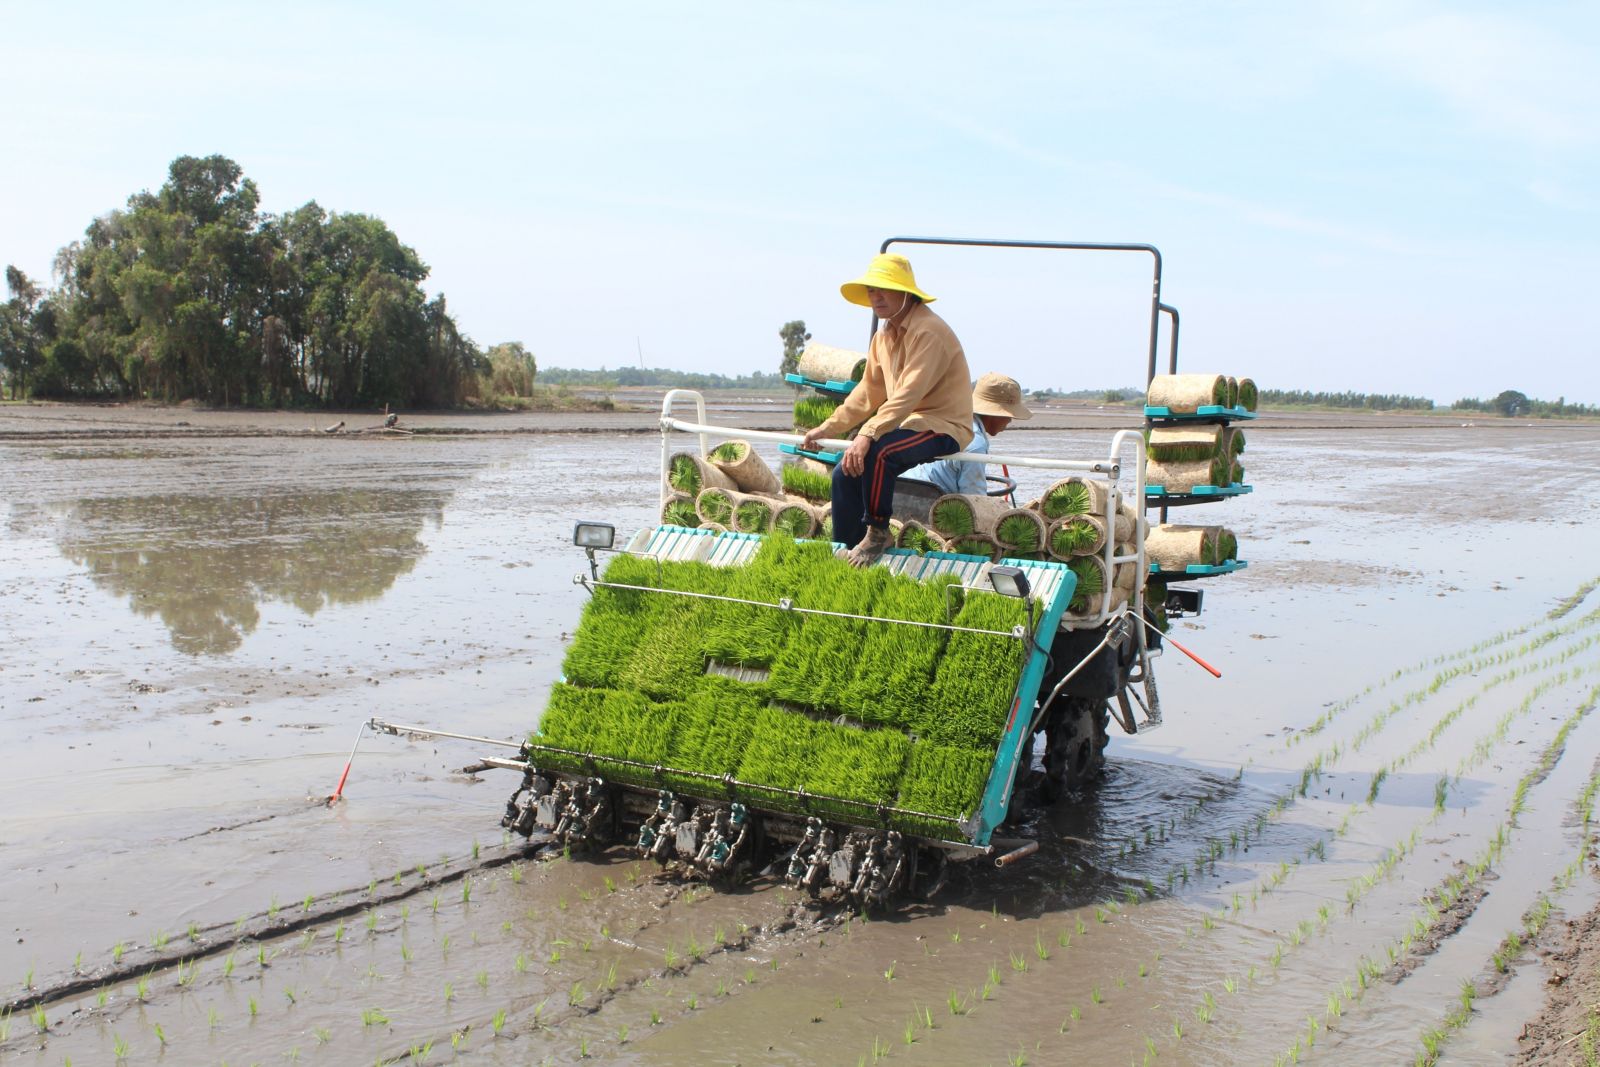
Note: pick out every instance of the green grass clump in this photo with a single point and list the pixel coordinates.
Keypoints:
(1018, 532)
(715, 505)
(942, 780)
(805, 482)
(977, 676)
(1065, 498)
(1091, 575)
(753, 516)
(680, 512)
(812, 411)
(1074, 536)
(683, 473)
(729, 452)
(953, 516)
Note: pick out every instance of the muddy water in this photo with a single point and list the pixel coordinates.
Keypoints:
(195, 630)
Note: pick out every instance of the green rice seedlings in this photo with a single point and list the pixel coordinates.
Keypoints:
(715, 505)
(750, 635)
(1020, 530)
(679, 511)
(852, 764)
(915, 537)
(895, 664)
(729, 452)
(752, 515)
(1249, 395)
(794, 519)
(977, 676)
(815, 666)
(1070, 496)
(941, 780)
(976, 545)
(685, 473)
(804, 481)
(812, 411)
(1090, 572)
(954, 516)
(1076, 536)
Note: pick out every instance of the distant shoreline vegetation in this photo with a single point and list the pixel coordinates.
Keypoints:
(1510, 403)
(191, 293)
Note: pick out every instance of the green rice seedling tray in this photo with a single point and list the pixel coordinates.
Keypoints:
(1199, 570)
(638, 696)
(1205, 412)
(839, 388)
(827, 457)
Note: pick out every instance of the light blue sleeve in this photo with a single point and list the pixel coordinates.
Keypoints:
(970, 477)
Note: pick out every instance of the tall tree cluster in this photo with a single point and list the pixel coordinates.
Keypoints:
(191, 292)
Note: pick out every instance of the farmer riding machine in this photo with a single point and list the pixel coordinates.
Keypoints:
(738, 700)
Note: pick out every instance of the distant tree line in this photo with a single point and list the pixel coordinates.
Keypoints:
(191, 292)
(1513, 403)
(1366, 401)
(656, 376)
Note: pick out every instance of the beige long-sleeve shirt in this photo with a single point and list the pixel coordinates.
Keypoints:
(916, 379)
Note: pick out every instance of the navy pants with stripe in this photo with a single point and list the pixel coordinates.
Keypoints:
(867, 500)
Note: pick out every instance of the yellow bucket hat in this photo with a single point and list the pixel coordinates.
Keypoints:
(886, 271)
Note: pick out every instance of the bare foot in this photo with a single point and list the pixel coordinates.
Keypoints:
(869, 548)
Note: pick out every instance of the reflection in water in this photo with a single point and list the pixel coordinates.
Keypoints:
(203, 564)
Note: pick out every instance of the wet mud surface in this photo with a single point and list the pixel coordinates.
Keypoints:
(1384, 797)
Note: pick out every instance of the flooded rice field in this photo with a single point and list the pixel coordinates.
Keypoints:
(1355, 847)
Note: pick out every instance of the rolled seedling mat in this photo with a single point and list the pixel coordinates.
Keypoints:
(825, 522)
(1227, 545)
(1248, 396)
(1020, 530)
(1182, 394)
(957, 515)
(688, 473)
(1084, 535)
(1074, 496)
(1181, 477)
(919, 539)
(1185, 444)
(1232, 441)
(1101, 601)
(808, 479)
(1233, 391)
(976, 545)
(748, 470)
(753, 513)
(825, 363)
(1236, 475)
(796, 518)
(812, 411)
(679, 511)
(714, 527)
(1091, 574)
(716, 505)
(1172, 547)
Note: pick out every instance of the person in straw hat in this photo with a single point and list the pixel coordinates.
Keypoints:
(912, 405)
(996, 400)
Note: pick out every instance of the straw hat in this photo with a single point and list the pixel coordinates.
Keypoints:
(886, 271)
(995, 394)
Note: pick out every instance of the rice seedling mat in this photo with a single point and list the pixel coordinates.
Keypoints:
(830, 458)
(1200, 570)
(935, 760)
(839, 388)
(1205, 412)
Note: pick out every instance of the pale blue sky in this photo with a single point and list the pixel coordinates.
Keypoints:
(1393, 197)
